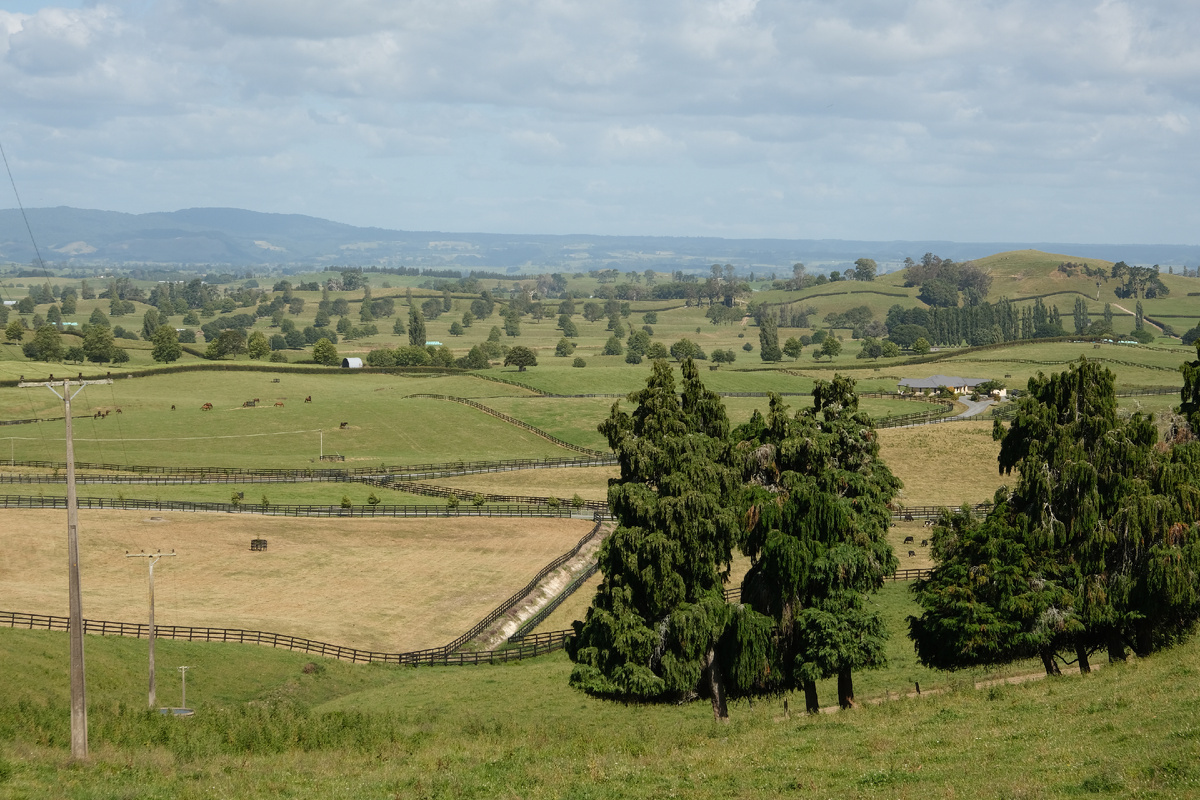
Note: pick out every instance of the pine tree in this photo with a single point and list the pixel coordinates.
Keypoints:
(818, 541)
(658, 618)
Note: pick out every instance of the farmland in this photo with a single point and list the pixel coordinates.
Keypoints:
(266, 725)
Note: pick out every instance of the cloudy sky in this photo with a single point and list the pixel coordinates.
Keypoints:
(984, 120)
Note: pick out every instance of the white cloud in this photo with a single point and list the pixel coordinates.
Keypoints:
(879, 107)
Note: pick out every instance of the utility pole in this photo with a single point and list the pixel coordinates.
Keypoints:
(79, 737)
(152, 560)
(183, 695)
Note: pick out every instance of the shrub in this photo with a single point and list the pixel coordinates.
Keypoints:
(578, 362)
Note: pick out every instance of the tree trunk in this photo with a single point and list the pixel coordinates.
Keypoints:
(810, 698)
(716, 686)
(845, 688)
(1143, 639)
(1116, 647)
(1081, 654)
(1049, 663)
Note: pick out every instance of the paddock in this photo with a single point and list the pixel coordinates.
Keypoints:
(394, 584)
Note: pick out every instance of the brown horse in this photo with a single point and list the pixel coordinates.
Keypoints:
(206, 407)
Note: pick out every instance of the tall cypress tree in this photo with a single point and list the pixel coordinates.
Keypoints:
(817, 539)
(658, 619)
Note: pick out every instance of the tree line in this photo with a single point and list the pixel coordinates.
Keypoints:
(1096, 547)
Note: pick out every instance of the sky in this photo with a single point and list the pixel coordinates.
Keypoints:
(962, 120)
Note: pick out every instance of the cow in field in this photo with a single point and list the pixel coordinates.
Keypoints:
(308, 399)
(206, 407)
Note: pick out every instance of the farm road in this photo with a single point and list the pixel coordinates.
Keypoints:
(974, 408)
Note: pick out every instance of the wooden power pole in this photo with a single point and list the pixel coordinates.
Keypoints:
(79, 736)
(152, 560)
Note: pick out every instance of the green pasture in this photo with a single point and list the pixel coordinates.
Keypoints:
(383, 424)
(316, 494)
(264, 727)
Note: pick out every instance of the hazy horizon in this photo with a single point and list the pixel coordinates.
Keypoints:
(1071, 121)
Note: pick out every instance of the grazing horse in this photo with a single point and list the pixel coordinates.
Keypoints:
(279, 405)
(344, 425)
(172, 406)
(206, 407)
(118, 410)
(308, 399)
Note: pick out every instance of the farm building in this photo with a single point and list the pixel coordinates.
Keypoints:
(351, 363)
(933, 383)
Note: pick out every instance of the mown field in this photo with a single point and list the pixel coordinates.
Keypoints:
(381, 584)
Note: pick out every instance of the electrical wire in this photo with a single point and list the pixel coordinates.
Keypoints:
(20, 205)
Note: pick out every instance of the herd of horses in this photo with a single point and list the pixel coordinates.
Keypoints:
(248, 404)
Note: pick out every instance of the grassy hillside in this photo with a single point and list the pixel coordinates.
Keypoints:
(266, 728)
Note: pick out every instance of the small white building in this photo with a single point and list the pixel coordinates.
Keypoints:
(352, 363)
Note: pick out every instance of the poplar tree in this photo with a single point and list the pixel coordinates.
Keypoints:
(768, 339)
(818, 539)
(416, 327)
(659, 616)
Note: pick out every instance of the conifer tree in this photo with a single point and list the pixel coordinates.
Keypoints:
(1105, 523)
(658, 619)
(818, 539)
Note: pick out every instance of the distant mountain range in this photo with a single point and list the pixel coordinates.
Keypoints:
(238, 238)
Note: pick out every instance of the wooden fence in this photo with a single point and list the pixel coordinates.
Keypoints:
(513, 421)
(381, 510)
(432, 490)
(535, 646)
(334, 473)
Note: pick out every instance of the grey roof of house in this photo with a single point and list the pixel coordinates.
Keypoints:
(937, 381)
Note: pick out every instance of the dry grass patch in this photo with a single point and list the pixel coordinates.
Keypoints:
(943, 464)
(590, 483)
(384, 584)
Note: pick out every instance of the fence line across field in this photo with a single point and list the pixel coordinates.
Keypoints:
(409, 470)
(381, 510)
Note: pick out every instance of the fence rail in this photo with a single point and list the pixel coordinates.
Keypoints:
(520, 594)
(381, 510)
(932, 512)
(333, 473)
(500, 415)
(438, 656)
(433, 490)
(540, 617)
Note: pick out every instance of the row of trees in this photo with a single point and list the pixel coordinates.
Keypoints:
(1096, 548)
(804, 496)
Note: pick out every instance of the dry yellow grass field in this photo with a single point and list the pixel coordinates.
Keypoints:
(590, 483)
(383, 584)
(947, 464)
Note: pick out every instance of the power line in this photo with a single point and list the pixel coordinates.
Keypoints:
(20, 205)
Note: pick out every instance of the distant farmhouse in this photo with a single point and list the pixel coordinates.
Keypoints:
(934, 383)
